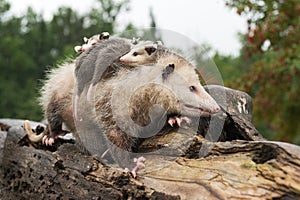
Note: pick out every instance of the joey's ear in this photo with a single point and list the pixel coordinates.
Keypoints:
(135, 41)
(150, 49)
(167, 71)
(85, 39)
(104, 36)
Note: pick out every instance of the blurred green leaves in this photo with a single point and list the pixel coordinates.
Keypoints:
(29, 45)
(271, 53)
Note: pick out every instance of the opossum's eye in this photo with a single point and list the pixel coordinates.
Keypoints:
(135, 53)
(192, 88)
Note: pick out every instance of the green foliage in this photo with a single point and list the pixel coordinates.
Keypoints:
(30, 44)
(229, 67)
(272, 50)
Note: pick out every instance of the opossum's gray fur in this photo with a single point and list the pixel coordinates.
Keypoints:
(56, 97)
(112, 82)
(135, 103)
(100, 62)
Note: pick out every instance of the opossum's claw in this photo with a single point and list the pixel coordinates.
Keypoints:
(172, 121)
(186, 119)
(178, 120)
(48, 141)
(139, 165)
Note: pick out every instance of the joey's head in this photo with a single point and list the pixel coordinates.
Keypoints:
(193, 100)
(89, 42)
(140, 54)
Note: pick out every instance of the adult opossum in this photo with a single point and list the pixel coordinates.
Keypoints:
(135, 104)
(98, 115)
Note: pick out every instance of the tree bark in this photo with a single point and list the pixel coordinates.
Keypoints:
(205, 170)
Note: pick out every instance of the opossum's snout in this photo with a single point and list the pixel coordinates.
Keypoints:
(202, 110)
(122, 59)
(217, 109)
(204, 104)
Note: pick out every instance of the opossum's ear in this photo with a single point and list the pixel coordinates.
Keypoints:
(135, 41)
(104, 36)
(150, 49)
(85, 39)
(78, 49)
(167, 71)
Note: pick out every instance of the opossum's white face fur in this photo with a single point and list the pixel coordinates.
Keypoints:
(174, 85)
(192, 98)
(142, 53)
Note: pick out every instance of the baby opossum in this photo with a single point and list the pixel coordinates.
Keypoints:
(89, 42)
(100, 62)
(144, 53)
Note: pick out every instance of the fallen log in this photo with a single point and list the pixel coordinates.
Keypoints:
(230, 170)
(236, 163)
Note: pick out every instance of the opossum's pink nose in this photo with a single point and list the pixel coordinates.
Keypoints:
(122, 59)
(217, 109)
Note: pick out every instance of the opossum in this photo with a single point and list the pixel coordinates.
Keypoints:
(144, 53)
(89, 42)
(58, 88)
(57, 94)
(136, 103)
(100, 62)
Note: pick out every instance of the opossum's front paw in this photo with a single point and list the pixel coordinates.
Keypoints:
(47, 140)
(178, 120)
(139, 165)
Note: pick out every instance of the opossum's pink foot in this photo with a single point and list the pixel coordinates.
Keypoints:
(178, 120)
(49, 140)
(139, 165)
